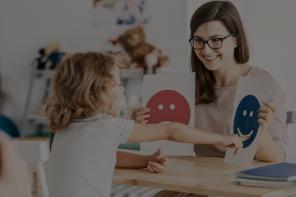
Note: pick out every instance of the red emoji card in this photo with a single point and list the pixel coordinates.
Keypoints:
(170, 98)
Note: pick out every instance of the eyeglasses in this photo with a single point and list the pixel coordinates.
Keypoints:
(214, 43)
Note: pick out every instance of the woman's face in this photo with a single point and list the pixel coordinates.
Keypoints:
(215, 59)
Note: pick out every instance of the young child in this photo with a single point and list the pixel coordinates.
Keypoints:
(83, 112)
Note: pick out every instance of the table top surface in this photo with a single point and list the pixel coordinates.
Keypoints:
(199, 175)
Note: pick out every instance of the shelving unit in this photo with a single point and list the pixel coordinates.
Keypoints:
(127, 73)
(38, 119)
(34, 118)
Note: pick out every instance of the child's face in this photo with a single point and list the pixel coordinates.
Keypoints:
(118, 90)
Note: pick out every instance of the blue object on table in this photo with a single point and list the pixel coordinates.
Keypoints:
(281, 171)
(8, 126)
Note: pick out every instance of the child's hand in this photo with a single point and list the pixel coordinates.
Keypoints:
(157, 161)
(139, 115)
(266, 114)
(233, 141)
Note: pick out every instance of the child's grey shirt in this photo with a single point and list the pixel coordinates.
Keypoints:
(83, 156)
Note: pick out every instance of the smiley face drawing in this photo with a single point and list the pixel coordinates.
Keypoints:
(168, 106)
(246, 117)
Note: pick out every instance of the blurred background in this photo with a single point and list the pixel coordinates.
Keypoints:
(28, 26)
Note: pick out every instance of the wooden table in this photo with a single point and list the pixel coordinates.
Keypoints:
(198, 175)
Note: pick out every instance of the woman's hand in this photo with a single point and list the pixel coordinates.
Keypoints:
(233, 141)
(157, 161)
(266, 114)
(139, 115)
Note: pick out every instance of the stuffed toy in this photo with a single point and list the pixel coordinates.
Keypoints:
(143, 55)
(41, 60)
(52, 50)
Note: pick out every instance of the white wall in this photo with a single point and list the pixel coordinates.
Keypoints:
(271, 29)
(26, 26)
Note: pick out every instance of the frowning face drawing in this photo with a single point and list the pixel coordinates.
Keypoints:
(246, 117)
(168, 106)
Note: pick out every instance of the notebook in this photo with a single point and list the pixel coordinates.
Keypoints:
(279, 172)
(266, 182)
(268, 185)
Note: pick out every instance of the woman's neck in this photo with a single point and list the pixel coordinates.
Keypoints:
(228, 74)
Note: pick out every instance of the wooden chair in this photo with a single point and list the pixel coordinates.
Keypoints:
(35, 152)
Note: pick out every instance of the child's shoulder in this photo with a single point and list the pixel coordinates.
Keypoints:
(110, 121)
(104, 123)
(117, 121)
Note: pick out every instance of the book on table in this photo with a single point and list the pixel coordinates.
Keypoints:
(280, 175)
(267, 183)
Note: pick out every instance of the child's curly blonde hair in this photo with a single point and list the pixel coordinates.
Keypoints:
(81, 87)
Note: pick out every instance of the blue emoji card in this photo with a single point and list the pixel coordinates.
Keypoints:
(250, 93)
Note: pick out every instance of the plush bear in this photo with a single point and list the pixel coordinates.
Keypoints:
(143, 54)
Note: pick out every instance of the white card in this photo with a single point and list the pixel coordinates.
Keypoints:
(250, 93)
(171, 98)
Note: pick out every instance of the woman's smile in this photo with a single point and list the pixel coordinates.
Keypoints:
(211, 58)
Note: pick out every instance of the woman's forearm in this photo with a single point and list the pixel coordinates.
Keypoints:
(184, 133)
(130, 160)
(268, 149)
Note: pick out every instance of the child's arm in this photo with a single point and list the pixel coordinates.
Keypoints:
(182, 133)
(155, 163)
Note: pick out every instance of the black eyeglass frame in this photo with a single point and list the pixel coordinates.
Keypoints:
(204, 42)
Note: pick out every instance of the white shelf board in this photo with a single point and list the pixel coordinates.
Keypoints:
(138, 72)
(160, 70)
(131, 72)
(44, 72)
(38, 118)
(125, 72)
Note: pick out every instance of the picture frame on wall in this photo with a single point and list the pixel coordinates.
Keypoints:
(120, 12)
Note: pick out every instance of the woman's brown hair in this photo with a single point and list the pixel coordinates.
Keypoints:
(81, 87)
(225, 12)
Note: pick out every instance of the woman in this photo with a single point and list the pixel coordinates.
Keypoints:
(218, 57)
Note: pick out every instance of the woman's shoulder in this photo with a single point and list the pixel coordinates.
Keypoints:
(259, 72)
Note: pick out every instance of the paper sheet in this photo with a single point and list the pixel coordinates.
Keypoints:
(250, 93)
(171, 98)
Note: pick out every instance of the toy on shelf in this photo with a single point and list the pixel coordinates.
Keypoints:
(52, 50)
(49, 59)
(49, 56)
(41, 61)
(143, 55)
